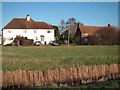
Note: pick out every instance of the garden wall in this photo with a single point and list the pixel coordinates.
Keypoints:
(61, 77)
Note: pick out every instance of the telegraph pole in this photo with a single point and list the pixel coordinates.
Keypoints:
(68, 37)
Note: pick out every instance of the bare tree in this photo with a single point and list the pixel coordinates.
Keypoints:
(62, 26)
(72, 21)
(70, 25)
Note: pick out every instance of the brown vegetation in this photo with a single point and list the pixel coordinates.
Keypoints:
(23, 41)
(106, 36)
(61, 77)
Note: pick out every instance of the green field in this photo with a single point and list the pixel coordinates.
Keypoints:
(50, 57)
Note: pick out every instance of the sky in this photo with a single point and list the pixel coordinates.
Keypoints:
(89, 13)
(60, 0)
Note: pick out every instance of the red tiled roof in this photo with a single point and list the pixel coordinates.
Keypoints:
(93, 29)
(22, 23)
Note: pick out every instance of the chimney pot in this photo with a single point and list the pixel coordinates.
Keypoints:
(108, 25)
(28, 17)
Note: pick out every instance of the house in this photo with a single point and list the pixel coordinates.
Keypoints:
(28, 28)
(106, 35)
(93, 35)
(0, 40)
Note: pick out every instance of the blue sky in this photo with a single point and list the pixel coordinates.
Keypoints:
(60, 0)
(89, 13)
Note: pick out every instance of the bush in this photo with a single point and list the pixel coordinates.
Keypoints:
(60, 42)
(106, 36)
(23, 41)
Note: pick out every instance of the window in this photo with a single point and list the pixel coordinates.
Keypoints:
(35, 31)
(85, 34)
(36, 38)
(86, 40)
(48, 31)
(25, 31)
(9, 31)
(42, 37)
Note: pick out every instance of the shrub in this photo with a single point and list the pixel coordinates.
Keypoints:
(106, 36)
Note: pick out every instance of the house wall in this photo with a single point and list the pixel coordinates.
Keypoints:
(34, 34)
(0, 40)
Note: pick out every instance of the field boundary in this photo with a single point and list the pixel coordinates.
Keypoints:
(61, 77)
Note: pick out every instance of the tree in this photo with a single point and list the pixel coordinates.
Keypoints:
(81, 24)
(62, 26)
(71, 21)
(119, 36)
(106, 36)
(70, 26)
(56, 34)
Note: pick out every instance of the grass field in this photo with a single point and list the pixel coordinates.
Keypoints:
(49, 57)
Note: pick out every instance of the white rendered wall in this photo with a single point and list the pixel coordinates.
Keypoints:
(0, 40)
(30, 34)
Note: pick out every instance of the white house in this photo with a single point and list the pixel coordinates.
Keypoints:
(0, 40)
(26, 27)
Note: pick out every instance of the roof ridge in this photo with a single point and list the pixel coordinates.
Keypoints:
(37, 21)
(22, 19)
(95, 26)
(40, 22)
(20, 23)
(19, 18)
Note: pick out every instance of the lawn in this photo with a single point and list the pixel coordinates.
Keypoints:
(50, 57)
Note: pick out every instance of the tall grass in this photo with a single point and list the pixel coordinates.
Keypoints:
(74, 76)
(48, 57)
